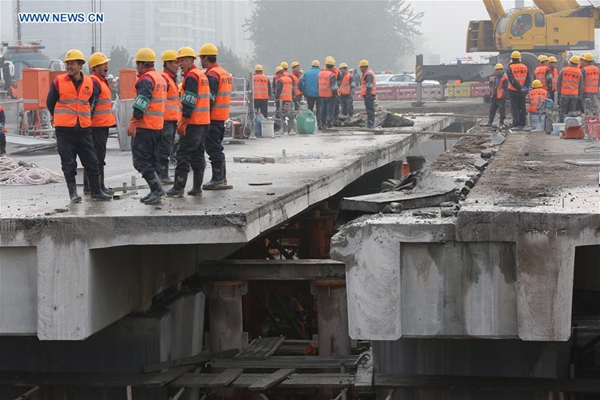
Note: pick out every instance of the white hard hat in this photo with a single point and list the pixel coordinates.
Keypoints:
(110, 76)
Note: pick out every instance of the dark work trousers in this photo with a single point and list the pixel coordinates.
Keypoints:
(327, 107)
(144, 149)
(72, 143)
(313, 104)
(262, 106)
(166, 142)
(2, 142)
(214, 142)
(500, 106)
(370, 107)
(518, 108)
(567, 104)
(191, 149)
(100, 137)
(347, 104)
(297, 100)
(336, 108)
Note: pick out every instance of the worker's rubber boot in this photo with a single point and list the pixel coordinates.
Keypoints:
(97, 193)
(156, 190)
(179, 186)
(72, 186)
(164, 173)
(218, 179)
(106, 190)
(197, 186)
(86, 184)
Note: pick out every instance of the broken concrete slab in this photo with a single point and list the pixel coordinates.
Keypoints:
(374, 203)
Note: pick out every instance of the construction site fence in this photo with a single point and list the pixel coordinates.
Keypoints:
(431, 92)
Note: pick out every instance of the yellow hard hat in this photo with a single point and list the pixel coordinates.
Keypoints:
(98, 59)
(284, 65)
(343, 65)
(145, 54)
(316, 63)
(208, 49)
(295, 64)
(186, 51)
(329, 61)
(552, 59)
(515, 55)
(74, 55)
(278, 69)
(258, 67)
(575, 60)
(499, 66)
(588, 57)
(536, 84)
(542, 58)
(169, 55)
(363, 63)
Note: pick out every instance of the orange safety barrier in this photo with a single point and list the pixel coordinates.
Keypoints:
(406, 93)
(480, 89)
(386, 93)
(127, 79)
(433, 92)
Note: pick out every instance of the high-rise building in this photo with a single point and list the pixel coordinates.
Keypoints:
(230, 29)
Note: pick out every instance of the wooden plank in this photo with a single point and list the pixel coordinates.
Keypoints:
(333, 381)
(192, 380)
(261, 348)
(193, 360)
(293, 270)
(225, 378)
(278, 362)
(272, 379)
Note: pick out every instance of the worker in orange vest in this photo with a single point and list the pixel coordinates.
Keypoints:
(172, 113)
(221, 85)
(498, 95)
(70, 101)
(518, 86)
(296, 75)
(338, 78)
(103, 117)
(2, 132)
(543, 73)
(12, 93)
(537, 97)
(591, 80)
(147, 123)
(368, 91)
(328, 90)
(284, 92)
(552, 61)
(569, 87)
(346, 90)
(194, 125)
(262, 90)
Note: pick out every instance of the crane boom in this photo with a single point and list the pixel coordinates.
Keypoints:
(494, 9)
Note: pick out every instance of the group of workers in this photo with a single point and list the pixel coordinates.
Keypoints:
(574, 86)
(196, 110)
(327, 90)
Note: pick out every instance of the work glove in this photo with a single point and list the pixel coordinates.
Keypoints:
(132, 127)
(181, 128)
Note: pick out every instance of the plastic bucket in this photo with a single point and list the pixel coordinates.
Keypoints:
(415, 162)
(267, 127)
(557, 128)
(538, 121)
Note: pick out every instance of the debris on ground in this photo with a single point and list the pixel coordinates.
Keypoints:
(383, 119)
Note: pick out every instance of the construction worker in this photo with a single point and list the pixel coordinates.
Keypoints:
(543, 73)
(296, 75)
(2, 132)
(569, 87)
(591, 80)
(221, 85)
(518, 86)
(103, 117)
(12, 93)
(537, 97)
(498, 95)
(552, 61)
(309, 85)
(262, 91)
(70, 101)
(194, 125)
(338, 78)
(346, 90)
(172, 113)
(328, 89)
(284, 93)
(147, 122)
(368, 91)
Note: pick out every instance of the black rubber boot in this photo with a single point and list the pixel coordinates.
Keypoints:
(97, 193)
(164, 173)
(72, 186)
(156, 189)
(86, 184)
(218, 179)
(179, 186)
(197, 187)
(106, 190)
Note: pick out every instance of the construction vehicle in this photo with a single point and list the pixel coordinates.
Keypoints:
(553, 28)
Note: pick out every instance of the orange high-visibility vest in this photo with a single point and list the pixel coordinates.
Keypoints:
(261, 87)
(294, 79)
(103, 116)
(554, 72)
(363, 87)
(499, 90)
(571, 76)
(73, 104)
(324, 80)
(172, 108)
(520, 72)
(154, 117)
(297, 79)
(536, 98)
(592, 79)
(346, 86)
(201, 113)
(286, 91)
(220, 107)
(540, 74)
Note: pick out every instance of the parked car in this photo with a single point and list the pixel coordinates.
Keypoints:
(404, 79)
